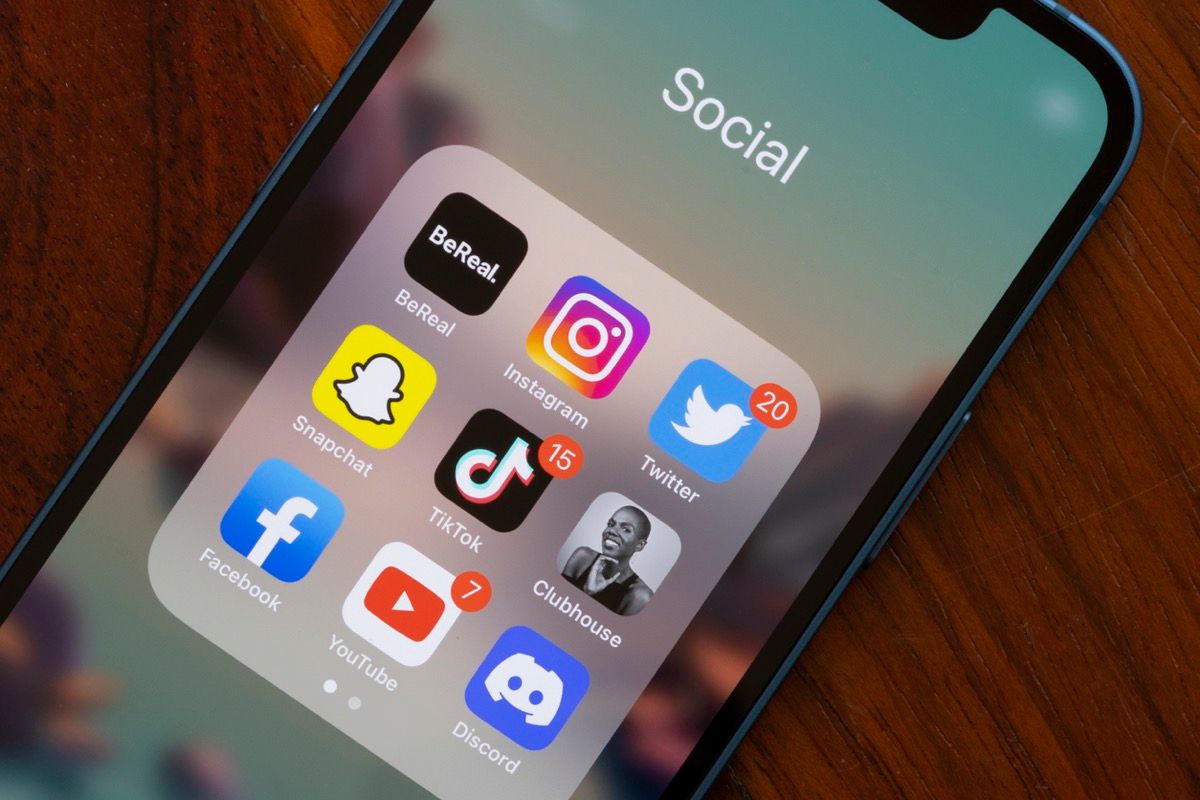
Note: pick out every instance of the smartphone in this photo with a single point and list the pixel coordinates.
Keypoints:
(565, 369)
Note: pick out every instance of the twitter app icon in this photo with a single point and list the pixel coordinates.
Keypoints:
(704, 421)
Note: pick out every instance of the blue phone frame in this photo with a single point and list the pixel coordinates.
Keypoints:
(286, 180)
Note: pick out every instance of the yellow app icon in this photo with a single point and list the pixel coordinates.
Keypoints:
(374, 386)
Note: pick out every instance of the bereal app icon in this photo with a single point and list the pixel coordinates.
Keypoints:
(282, 520)
(466, 253)
(374, 386)
(405, 603)
(492, 471)
(527, 688)
(588, 337)
(705, 421)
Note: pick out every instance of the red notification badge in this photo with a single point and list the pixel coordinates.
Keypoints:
(773, 405)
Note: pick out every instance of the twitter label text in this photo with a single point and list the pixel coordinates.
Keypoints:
(668, 478)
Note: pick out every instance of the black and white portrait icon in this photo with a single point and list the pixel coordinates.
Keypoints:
(619, 554)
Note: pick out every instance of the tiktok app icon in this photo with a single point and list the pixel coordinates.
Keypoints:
(492, 471)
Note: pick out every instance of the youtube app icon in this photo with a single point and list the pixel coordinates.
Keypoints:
(407, 606)
(405, 603)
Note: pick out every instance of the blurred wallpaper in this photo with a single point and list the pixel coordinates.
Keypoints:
(934, 167)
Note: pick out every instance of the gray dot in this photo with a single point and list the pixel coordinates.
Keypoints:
(355, 704)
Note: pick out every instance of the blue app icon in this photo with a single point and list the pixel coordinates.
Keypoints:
(282, 520)
(704, 421)
(527, 688)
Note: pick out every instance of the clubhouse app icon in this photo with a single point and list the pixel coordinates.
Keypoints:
(588, 337)
(403, 604)
(705, 421)
(282, 520)
(374, 386)
(527, 688)
(492, 471)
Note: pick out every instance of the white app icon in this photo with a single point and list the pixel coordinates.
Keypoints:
(537, 693)
(403, 604)
(606, 325)
(706, 426)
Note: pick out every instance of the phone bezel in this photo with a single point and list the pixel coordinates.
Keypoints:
(873, 517)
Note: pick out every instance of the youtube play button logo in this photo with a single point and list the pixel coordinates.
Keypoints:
(408, 607)
(405, 603)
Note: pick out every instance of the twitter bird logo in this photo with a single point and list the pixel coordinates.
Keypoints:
(716, 435)
(704, 425)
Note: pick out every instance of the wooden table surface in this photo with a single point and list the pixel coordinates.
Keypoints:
(1034, 627)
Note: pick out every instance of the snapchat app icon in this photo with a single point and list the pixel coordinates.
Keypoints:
(374, 386)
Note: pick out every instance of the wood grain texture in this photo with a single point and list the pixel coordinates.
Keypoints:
(1033, 629)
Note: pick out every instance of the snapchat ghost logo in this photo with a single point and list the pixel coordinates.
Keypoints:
(374, 386)
(373, 389)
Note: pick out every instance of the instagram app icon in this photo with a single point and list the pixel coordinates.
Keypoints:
(588, 337)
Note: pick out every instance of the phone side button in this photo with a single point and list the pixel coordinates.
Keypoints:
(916, 490)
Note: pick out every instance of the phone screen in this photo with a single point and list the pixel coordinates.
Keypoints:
(543, 402)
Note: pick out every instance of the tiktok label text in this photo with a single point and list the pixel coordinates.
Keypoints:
(242, 581)
(456, 530)
(668, 478)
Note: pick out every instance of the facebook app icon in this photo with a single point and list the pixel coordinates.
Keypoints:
(282, 520)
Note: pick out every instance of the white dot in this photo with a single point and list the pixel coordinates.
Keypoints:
(617, 331)
(1059, 109)
(355, 704)
(330, 686)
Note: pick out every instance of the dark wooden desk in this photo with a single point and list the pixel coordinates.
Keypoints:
(1034, 628)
